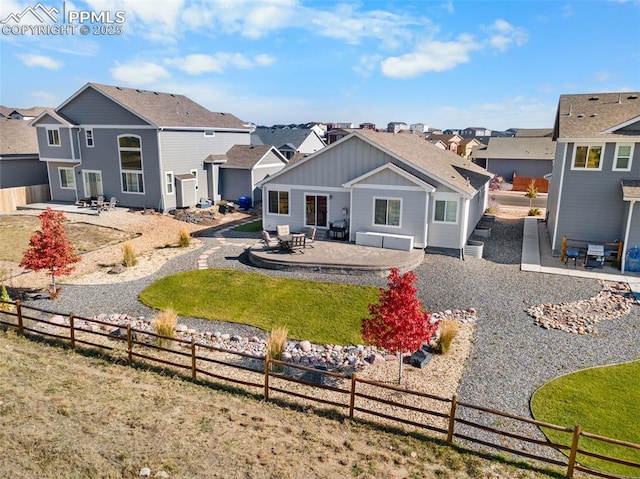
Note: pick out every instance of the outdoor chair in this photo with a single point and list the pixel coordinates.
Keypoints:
(98, 203)
(282, 230)
(310, 237)
(112, 204)
(268, 241)
(298, 241)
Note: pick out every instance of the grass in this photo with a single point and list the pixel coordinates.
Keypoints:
(319, 312)
(252, 227)
(603, 401)
(109, 420)
(15, 231)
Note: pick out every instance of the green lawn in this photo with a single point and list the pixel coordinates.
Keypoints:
(603, 401)
(249, 227)
(319, 312)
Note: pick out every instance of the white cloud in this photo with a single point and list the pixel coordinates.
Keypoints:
(430, 56)
(367, 65)
(46, 98)
(197, 64)
(503, 35)
(40, 61)
(139, 73)
(603, 76)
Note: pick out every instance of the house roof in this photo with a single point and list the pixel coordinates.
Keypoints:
(17, 138)
(29, 112)
(631, 189)
(164, 109)
(515, 148)
(444, 138)
(534, 132)
(278, 137)
(247, 156)
(596, 115)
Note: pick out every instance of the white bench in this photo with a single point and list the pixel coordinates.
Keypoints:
(384, 240)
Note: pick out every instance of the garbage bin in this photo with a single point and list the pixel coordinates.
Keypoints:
(633, 260)
(244, 202)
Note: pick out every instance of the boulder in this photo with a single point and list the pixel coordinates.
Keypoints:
(420, 358)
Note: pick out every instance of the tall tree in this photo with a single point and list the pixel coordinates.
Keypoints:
(49, 249)
(399, 322)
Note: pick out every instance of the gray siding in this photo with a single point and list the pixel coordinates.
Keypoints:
(444, 235)
(591, 205)
(261, 173)
(477, 207)
(63, 194)
(235, 183)
(386, 177)
(634, 231)
(93, 108)
(526, 168)
(22, 172)
(62, 152)
(553, 196)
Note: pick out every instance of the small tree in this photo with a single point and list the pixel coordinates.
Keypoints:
(49, 249)
(398, 322)
(532, 192)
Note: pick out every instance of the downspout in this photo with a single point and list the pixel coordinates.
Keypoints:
(163, 187)
(555, 223)
(79, 164)
(626, 234)
(465, 223)
(426, 219)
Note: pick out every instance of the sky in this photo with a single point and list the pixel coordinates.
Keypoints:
(446, 64)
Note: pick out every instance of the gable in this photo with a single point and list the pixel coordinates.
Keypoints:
(90, 107)
(630, 129)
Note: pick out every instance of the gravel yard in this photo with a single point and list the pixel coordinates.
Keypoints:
(510, 356)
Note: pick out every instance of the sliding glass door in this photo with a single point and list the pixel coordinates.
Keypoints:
(316, 210)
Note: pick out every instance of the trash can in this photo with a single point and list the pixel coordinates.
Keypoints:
(244, 202)
(633, 260)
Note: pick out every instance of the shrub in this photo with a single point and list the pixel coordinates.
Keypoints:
(4, 296)
(164, 323)
(534, 212)
(448, 331)
(276, 343)
(129, 254)
(184, 237)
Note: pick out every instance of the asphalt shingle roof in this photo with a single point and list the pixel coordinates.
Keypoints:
(516, 148)
(245, 156)
(17, 138)
(280, 136)
(590, 115)
(168, 109)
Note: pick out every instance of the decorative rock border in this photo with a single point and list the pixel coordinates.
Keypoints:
(222, 241)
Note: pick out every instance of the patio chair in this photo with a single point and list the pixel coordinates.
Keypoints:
(98, 203)
(282, 230)
(111, 205)
(311, 237)
(268, 241)
(298, 241)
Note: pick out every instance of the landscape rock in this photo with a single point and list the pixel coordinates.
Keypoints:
(181, 328)
(304, 346)
(57, 319)
(145, 472)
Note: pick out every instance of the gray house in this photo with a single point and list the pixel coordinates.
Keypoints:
(528, 157)
(19, 161)
(243, 166)
(288, 141)
(381, 183)
(145, 148)
(596, 172)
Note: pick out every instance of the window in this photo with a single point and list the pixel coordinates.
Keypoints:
(66, 178)
(169, 182)
(622, 161)
(587, 157)
(279, 202)
(387, 211)
(53, 137)
(446, 211)
(130, 149)
(209, 133)
(88, 135)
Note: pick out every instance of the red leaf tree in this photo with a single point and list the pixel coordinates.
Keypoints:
(49, 249)
(398, 322)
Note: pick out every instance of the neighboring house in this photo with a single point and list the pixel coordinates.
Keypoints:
(419, 127)
(21, 113)
(467, 145)
(595, 183)
(368, 126)
(534, 133)
(475, 131)
(397, 126)
(145, 148)
(288, 141)
(338, 126)
(527, 157)
(381, 182)
(243, 166)
(20, 163)
(451, 140)
(335, 135)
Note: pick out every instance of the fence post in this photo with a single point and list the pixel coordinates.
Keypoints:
(129, 343)
(352, 398)
(72, 332)
(266, 377)
(563, 250)
(574, 451)
(452, 418)
(19, 312)
(193, 358)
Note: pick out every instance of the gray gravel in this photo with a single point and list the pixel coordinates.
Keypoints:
(510, 358)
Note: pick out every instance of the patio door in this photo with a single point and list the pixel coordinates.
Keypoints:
(92, 183)
(316, 210)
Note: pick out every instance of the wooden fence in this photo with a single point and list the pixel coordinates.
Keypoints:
(350, 394)
(521, 183)
(612, 251)
(11, 198)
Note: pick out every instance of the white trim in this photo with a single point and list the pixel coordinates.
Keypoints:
(425, 222)
(57, 130)
(73, 178)
(86, 137)
(194, 173)
(84, 182)
(282, 186)
(92, 126)
(615, 157)
(626, 234)
(394, 169)
(466, 203)
(369, 186)
(60, 160)
(555, 226)
(589, 146)
(269, 190)
(166, 183)
(615, 128)
(133, 172)
(386, 225)
(446, 197)
(71, 145)
(202, 128)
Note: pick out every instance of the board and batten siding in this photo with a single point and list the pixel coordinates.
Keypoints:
(591, 204)
(93, 108)
(186, 150)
